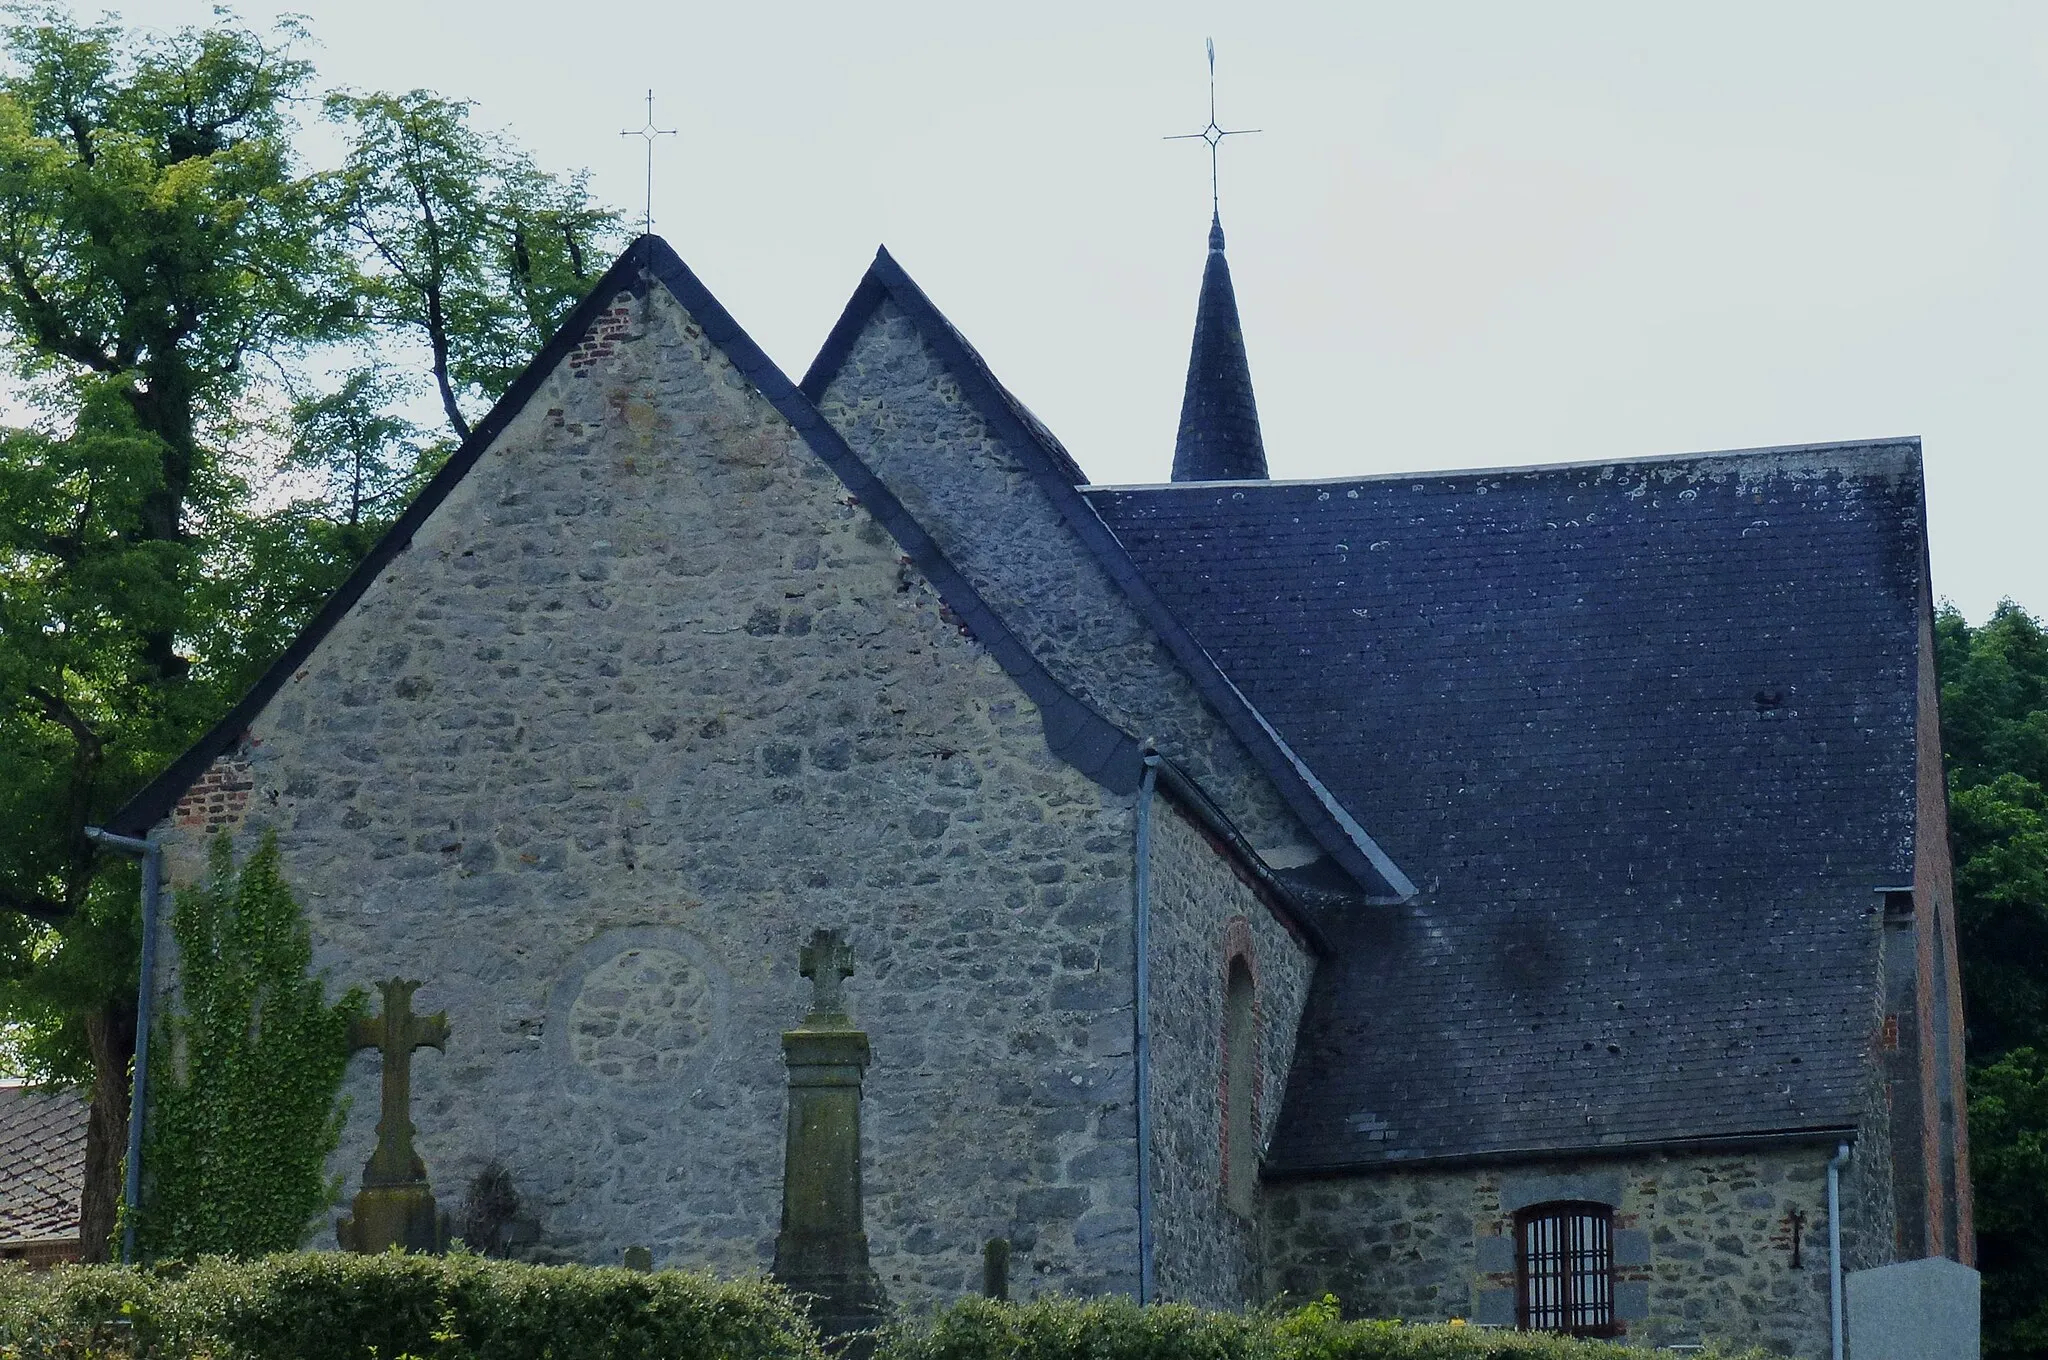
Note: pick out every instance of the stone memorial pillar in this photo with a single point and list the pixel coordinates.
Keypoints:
(395, 1207)
(822, 1250)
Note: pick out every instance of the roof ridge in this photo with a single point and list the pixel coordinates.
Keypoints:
(161, 794)
(1339, 834)
(1074, 732)
(1904, 441)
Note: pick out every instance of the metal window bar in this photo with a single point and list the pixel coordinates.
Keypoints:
(1567, 1271)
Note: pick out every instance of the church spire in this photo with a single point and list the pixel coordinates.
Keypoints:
(1219, 419)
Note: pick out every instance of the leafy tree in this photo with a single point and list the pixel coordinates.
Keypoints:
(240, 1127)
(465, 240)
(1994, 700)
(173, 286)
(154, 242)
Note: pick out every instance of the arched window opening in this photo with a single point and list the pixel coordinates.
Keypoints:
(1240, 1078)
(1564, 1269)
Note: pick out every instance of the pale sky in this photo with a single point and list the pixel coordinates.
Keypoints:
(1470, 235)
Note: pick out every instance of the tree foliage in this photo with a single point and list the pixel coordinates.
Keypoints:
(468, 247)
(201, 322)
(1994, 700)
(243, 1111)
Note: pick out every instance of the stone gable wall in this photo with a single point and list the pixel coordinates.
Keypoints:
(905, 415)
(648, 699)
(1203, 913)
(1703, 1244)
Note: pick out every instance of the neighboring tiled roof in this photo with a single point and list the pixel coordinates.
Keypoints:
(1370, 871)
(42, 1163)
(1643, 732)
(1219, 437)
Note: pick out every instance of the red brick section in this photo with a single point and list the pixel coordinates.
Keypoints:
(1951, 1225)
(219, 798)
(605, 333)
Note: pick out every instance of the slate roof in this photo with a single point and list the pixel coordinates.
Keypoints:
(42, 1163)
(1642, 731)
(1219, 436)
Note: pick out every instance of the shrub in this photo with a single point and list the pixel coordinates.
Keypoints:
(329, 1306)
(1117, 1329)
(339, 1306)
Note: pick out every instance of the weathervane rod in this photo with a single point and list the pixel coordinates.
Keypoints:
(649, 133)
(1212, 134)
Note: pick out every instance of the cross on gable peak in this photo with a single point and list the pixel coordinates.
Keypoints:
(827, 961)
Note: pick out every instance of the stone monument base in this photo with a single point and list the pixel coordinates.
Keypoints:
(846, 1309)
(402, 1216)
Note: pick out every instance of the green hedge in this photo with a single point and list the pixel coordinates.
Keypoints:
(338, 1306)
(333, 1306)
(1117, 1329)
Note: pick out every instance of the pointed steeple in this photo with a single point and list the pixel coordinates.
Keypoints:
(1219, 419)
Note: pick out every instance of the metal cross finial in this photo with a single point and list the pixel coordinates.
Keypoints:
(1212, 134)
(649, 132)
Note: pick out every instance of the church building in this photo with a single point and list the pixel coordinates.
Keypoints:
(1518, 895)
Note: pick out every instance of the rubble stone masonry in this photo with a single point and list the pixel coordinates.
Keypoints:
(1704, 1245)
(646, 700)
(1202, 916)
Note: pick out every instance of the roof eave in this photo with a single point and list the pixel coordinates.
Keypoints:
(1710, 1143)
(1073, 731)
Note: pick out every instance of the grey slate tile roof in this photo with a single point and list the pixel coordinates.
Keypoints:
(1642, 732)
(1219, 436)
(42, 1163)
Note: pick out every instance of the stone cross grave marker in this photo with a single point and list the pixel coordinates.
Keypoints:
(821, 1253)
(395, 1034)
(827, 961)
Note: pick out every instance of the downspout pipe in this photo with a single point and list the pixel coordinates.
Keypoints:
(1835, 1165)
(151, 853)
(1142, 930)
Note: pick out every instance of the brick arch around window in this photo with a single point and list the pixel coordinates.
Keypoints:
(1240, 1077)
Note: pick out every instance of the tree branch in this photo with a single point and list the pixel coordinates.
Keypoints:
(57, 711)
(32, 904)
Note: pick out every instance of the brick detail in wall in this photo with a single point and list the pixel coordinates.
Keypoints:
(220, 797)
(611, 326)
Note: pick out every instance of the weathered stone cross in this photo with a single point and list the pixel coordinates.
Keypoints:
(396, 1033)
(827, 961)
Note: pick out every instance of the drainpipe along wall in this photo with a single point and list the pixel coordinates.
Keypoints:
(152, 856)
(1835, 1165)
(1142, 930)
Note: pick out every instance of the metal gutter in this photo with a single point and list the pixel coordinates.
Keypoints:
(151, 853)
(1280, 897)
(1835, 1165)
(1733, 1142)
(1142, 929)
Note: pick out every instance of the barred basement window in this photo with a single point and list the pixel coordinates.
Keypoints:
(1564, 1269)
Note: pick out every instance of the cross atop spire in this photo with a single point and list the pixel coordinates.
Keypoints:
(1213, 134)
